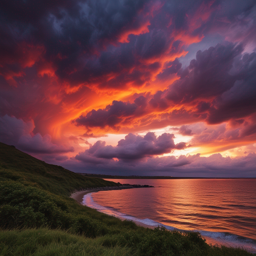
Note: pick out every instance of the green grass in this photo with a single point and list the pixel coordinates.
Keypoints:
(45, 242)
(37, 217)
(23, 168)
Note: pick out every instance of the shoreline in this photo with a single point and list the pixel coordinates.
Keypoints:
(79, 195)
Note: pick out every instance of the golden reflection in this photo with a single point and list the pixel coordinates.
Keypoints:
(214, 205)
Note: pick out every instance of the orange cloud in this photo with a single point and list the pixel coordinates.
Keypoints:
(124, 36)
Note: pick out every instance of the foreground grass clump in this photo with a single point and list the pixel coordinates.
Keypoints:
(45, 242)
(37, 217)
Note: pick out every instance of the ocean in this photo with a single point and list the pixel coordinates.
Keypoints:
(222, 210)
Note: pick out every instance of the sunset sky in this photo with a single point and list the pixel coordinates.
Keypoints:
(131, 87)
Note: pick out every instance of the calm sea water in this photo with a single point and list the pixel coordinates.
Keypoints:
(223, 209)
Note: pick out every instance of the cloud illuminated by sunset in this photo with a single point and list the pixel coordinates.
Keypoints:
(131, 87)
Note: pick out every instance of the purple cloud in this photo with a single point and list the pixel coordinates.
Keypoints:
(16, 132)
(183, 166)
(133, 147)
(113, 114)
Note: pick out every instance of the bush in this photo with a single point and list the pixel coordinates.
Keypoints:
(22, 206)
(15, 216)
(85, 226)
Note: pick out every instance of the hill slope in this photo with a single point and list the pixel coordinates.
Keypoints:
(23, 168)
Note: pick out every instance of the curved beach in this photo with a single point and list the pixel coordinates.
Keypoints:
(79, 195)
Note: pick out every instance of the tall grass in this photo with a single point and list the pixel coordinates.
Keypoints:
(45, 242)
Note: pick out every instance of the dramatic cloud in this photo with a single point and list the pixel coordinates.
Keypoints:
(222, 75)
(183, 166)
(133, 147)
(112, 115)
(206, 76)
(238, 101)
(18, 133)
(75, 72)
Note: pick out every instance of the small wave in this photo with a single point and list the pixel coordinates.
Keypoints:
(88, 201)
(220, 238)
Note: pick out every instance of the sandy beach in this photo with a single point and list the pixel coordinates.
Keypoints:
(78, 195)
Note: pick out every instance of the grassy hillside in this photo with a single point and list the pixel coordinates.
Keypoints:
(23, 168)
(37, 217)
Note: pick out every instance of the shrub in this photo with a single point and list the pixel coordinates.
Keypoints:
(85, 226)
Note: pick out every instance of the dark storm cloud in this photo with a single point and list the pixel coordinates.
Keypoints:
(81, 38)
(171, 68)
(221, 75)
(65, 30)
(70, 21)
(153, 44)
(158, 101)
(113, 114)
(128, 62)
(159, 43)
(206, 76)
(241, 16)
(133, 147)
(239, 101)
(181, 116)
(203, 106)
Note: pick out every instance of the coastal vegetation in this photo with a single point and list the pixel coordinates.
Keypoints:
(37, 217)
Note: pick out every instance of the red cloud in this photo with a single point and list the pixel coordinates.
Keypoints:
(124, 36)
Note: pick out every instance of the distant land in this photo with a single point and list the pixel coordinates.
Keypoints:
(106, 176)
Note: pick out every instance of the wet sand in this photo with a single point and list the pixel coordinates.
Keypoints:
(79, 195)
